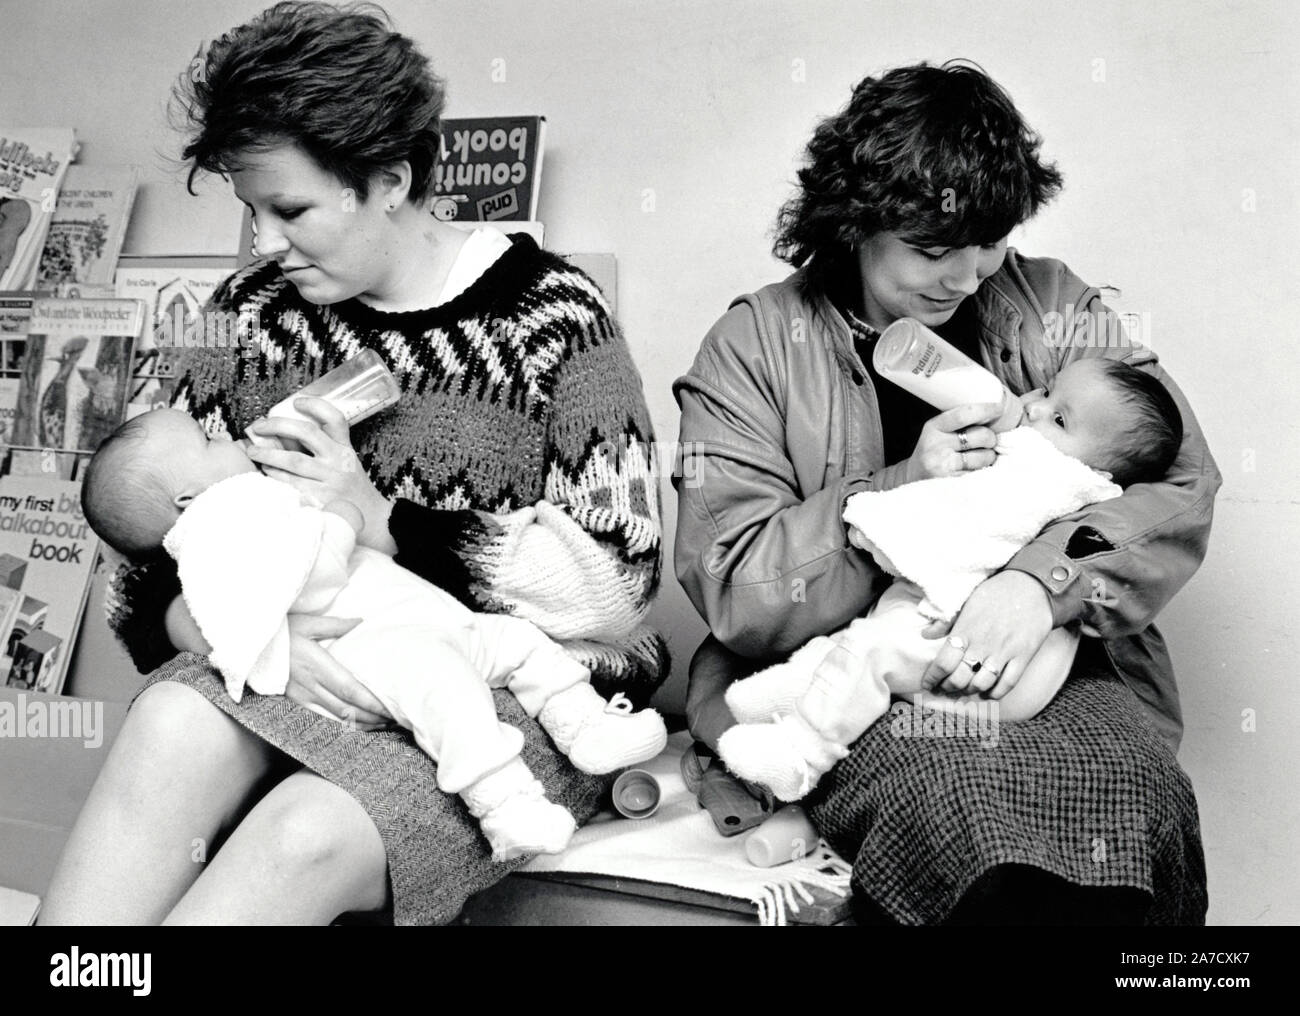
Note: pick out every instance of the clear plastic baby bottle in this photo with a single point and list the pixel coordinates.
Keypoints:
(358, 388)
(915, 358)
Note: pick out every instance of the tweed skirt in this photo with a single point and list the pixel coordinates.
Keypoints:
(437, 857)
(1086, 790)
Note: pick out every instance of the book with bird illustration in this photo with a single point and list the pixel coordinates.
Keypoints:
(76, 373)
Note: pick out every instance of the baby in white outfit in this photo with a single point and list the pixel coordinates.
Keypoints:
(1102, 420)
(251, 549)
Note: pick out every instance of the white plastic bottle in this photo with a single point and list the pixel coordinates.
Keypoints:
(915, 358)
(786, 836)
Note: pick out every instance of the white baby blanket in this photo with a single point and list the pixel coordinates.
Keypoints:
(948, 534)
(245, 550)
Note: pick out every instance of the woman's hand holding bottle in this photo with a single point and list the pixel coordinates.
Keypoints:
(956, 441)
(328, 470)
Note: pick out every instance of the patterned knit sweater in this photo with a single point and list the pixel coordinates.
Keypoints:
(520, 456)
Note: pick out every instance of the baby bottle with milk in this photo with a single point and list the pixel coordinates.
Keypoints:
(358, 388)
(915, 358)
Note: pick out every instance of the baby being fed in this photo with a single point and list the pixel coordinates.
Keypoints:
(1103, 425)
(251, 549)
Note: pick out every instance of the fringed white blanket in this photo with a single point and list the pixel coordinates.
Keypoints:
(679, 845)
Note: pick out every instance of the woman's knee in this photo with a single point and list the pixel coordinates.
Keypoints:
(171, 716)
(174, 741)
(169, 711)
(310, 825)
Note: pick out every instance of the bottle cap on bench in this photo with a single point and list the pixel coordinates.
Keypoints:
(636, 794)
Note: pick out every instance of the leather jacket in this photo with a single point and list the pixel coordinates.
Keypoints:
(780, 424)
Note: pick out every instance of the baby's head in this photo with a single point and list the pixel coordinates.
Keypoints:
(1110, 416)
(144, 474)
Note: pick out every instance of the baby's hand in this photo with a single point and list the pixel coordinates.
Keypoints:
(348, 512)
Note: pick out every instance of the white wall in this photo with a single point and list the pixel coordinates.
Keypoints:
(674, 130)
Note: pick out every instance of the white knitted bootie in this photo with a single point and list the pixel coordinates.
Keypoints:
(774, 691)
(515, 815)
(598, 736)
(787, 756)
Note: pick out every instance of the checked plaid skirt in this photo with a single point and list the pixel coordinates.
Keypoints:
(1086, 790)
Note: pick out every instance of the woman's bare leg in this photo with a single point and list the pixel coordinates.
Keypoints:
(306, 853)
(179, 772)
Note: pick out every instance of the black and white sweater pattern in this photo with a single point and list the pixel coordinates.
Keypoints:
(520, 457)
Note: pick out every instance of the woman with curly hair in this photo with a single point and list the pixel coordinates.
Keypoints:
(491, 478)
(1081, 814)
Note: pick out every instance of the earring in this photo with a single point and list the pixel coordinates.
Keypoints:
(252, 247)
(391, 206)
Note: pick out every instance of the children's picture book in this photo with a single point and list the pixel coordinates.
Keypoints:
(15, 310)
(175, 291)
(47, 555)
(89, 225)
(33, 162)
(490, 168)
(76, 372)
